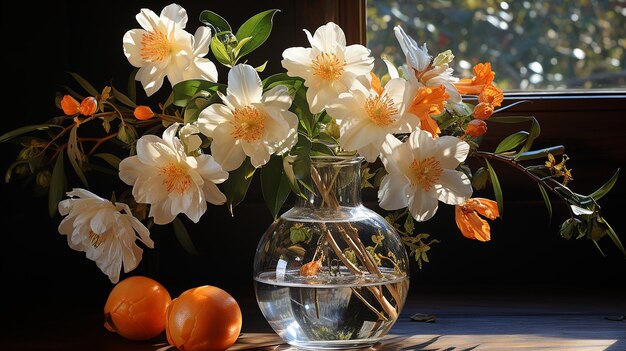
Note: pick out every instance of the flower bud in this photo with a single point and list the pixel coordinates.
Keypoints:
(88, 106)
(443, 58)
(43, 178)
(476, 128)
(483, 111)
(69, 105)
(143, 113)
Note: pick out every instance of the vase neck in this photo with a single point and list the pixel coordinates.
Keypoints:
(336, 183)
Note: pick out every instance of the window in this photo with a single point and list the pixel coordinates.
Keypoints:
(531, 44)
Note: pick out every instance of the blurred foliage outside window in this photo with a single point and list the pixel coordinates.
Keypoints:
(532, 45)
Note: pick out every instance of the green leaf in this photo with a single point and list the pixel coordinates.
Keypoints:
(321, 149)
(217, 22)
(240, 44)
(119, 96)
(132, 85)
(183, 236)
(299, 233)
(183, 92)
(258, 27)
(497, 190)
(25, 129)
(542, 153)
(535, 130)
(75, 155)
(512, 141)
(613, 236)
(479, 179)
(236, 186)
(302, 163)
(511, 119)
(274, 185)
(195, 106)
(261, 68)
(111, 159)
(220, 53)
(604, 189)
(85, 84)
(58, 184)
(546, 199)
(409, 225)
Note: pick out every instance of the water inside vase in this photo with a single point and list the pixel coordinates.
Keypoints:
(338, 312)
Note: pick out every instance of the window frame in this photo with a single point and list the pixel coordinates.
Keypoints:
(351, 15)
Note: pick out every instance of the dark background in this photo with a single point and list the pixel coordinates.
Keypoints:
(39, 269)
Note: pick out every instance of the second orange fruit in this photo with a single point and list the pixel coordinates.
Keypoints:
(205, 318)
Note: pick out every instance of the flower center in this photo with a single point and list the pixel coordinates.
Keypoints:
(328, 66)
(425, 173)
(175, 178)
(380, 109)
(96, 240)
(249, 124)
(154, 46)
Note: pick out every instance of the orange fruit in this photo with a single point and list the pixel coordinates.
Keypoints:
(205, 318)
(136, 308)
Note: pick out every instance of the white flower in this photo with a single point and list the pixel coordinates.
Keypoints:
(104, 230)
(163, 48)
(420, 64)
(367, 115)
(250, 122)
(163, 176)
(328, 67)
(422, 171)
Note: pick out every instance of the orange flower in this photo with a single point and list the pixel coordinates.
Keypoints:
(474, 86)
(476, 128)
(427, 102)
(468, 219)
(88, 106)
(143, 113)
(69, 105)
(491, 95)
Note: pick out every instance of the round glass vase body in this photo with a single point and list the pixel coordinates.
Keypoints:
(331, 273)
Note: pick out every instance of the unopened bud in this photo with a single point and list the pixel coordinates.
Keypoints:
(143, 113)
(443, 58)
(88, 106)
(69, 105)
(43, 178)
(476, 128)
(483, 111)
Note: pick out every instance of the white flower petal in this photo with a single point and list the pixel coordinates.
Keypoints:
(450, 151)
(202, 40)
(132, 46)
(244, 82)
(213, 116)
(176, 14)
(213, 194)
(227, 151)
(147, 19)
(423, 205)
(277, 97)
(454, 187)
(394, 191)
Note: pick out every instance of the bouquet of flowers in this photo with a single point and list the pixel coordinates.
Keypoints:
(414, 127)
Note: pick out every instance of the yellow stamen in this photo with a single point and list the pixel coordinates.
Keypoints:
(154, 46)
(328, 66)
(248, 123)
(96, 240)
(425, 173)
(380, 109)
(176, 178)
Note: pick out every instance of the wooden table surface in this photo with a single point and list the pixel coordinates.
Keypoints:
(496, 321)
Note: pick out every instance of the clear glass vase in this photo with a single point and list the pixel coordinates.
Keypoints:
(331, 273)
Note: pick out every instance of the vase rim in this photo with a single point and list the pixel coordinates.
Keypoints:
(337, 159)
